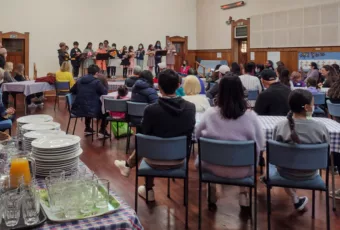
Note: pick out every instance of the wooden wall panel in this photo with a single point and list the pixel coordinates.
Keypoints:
(260, 57)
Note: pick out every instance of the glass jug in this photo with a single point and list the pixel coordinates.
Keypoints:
(20, 166)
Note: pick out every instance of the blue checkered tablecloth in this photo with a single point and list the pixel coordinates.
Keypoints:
(124, 218)
(333, 127)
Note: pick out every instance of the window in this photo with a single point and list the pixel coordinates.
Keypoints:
(244, 47)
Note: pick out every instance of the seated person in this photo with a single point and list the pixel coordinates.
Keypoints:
(312, 85)
(184, 68)
(212, 77)
(5, 113)
(296, 78)
(274, 100)
(87, 104)
(222, 71)
(230, 114)
(192, 88)
(143, 90)
(8, 78)
(122, 95)
(19, 76)
(131, 80)
(194, 72)
(64, 74)
(180, 121)
(300, 130)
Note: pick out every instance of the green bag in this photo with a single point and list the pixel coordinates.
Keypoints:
(120, 130)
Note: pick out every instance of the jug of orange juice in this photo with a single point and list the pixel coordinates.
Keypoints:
(20, 167)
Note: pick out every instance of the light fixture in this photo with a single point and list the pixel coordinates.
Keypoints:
(232, 5)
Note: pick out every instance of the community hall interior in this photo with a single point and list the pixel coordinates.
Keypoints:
(198, 114)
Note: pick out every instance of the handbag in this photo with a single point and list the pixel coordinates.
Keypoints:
(120, 129)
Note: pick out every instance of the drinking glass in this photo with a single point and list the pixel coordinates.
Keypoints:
(57, 174)
(102, 193)
(30, 206)
(55, 192)
(71, 201)
(2, 207)
(12, 206)
(87, 195)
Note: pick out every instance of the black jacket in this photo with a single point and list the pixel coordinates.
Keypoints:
(130, 81)
(88, 91)
(63, 56)
(2, 62)
(143, 92)
(169, 117)
(273, 101)
(75, 60)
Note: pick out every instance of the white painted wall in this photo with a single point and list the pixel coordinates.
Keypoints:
(125, 22)
(214, 33)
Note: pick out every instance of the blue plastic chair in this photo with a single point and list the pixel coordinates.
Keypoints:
(333, 109)
(252, 94)
(163, 149)
(319, 99)
(229, 154)
(61, 89)
(135, 115)
(297, 157)
(115, 105)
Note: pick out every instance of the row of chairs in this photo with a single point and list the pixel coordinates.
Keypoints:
(235, 154)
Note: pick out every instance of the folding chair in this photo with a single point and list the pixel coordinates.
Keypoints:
(61, 89)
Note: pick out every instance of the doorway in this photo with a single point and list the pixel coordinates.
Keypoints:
(181, 44)
(242, 51)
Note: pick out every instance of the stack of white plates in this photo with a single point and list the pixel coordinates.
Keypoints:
(40, 126)
(56, 152)
(33, 135)
(38, 118)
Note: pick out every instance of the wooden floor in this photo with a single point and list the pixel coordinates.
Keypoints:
(170, 213)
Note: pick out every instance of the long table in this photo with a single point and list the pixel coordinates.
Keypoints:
(26, 88)
(124, 218)
(114, 85)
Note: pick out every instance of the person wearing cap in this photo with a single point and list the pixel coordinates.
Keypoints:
(250, 82)
(3, 55)
(62, 53)
(75, 59)
(274, 100)
(222, 71)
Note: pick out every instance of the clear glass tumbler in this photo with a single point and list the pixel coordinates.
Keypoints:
(12, 207)
(30, 207)
(102, 193)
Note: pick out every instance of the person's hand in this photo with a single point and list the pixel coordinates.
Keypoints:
(10, 111)
(320, 85)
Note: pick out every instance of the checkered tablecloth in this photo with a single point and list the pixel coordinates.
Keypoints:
(124, 218)
(114, 85)
(27, 87)
(333, 127)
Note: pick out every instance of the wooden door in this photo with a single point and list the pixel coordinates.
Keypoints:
(242, 52)
(181, 44)
(17, 45)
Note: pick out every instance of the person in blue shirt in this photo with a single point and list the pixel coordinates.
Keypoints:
(194, 72)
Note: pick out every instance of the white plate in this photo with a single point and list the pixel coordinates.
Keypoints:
(64, 159)
(56, 150)
(40, 126)
(35, 118)
(32, 135)
(56, 142)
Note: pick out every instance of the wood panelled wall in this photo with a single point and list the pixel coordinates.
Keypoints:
(289, 56)
(208, 55)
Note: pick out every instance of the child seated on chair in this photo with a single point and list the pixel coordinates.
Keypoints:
(299, 129)
(122, 95)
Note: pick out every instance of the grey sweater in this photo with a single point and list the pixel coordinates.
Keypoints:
(309, 132)
(8, 77)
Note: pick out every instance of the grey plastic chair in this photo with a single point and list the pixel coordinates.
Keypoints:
(319, 99)
(135, 115)
(115, 105)
(61, 89)
(162, 149)
(333, 109)
(252, 94)
(297, 157)
(227, 153)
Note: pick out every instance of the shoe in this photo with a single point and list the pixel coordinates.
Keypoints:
(142, 193)
(41, 105)
(299, 206)
(124, 170)
(213, 196)
(244, 200)
(89, 131)
(32, 105)
(103, 134)
(337, 194)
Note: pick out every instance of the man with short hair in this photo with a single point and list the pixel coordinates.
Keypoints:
(62, 53)
(250, 82)
(223, 70)
(170, 116)
(274, 100)
(131, 80)
(75, 59)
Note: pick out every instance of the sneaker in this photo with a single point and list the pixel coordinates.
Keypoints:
(103, 134)
(244, 199)
(299, 206)
(213, 195)
(121, 165)
(337, 194)
(32, 105)
(41, 105)
(89, 131)
(142, 193)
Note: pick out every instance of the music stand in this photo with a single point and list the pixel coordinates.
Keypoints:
(104, 56)
(161, 53)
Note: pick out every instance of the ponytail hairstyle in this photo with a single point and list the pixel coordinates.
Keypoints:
(297, 100)
(122, 91)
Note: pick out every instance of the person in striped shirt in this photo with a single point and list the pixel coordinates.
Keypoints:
(249, 81)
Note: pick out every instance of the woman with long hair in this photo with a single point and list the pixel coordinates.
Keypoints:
(230, 114)
(235, 69)
(151, 57)
(158, 58)
(170, 55)
(330, 75)
(140, 53)
(89, 60)
(131, 55)
(124, 55)
(101, 63)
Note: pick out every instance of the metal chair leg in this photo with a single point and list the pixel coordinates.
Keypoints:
(136, 193)
(313, 204)
(55, 101)
(333, 181)
(186, 202)
(75, 123)
(110, 131)
(255, 207)
(251, 199)
(117, 131)
(199, 205)
(268, 207)
(68, 124)
(128, 141)
(168, 187)
(327, 210)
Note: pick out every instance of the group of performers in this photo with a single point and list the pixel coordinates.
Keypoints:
(108, 58)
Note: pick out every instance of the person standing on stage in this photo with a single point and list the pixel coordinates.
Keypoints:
(89, 58)
(151, 57)
(114, 61)
(140, 53)
(132, 56)
(62, 53)
(75, 59)
(107, 48)
(101, 63)
(124, 55)
(158, 58)
(170, 55)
